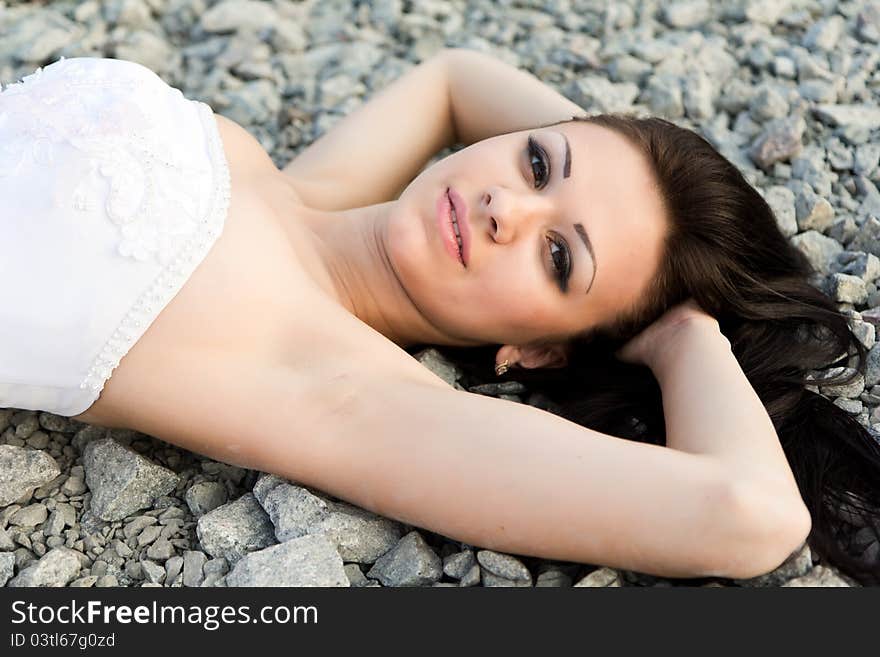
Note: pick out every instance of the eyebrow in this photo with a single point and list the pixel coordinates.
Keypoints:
(581, 231)
(566, 168)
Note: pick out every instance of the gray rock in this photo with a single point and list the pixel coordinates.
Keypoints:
(128, 13)
(148, 535)
(492, 580)
(812, 211)
(5, 540)
(868, 22)
(56, 568)
(409, 563)
(472, 577)
(767, 104)
(443, 368)
(781, 201)
(872, 368)
(205, 496)
(843, 230)
(173, 567)
(22, 470)
(149, 49)
(849, 390)
(459, 564)
(358, 534)
(868, 237)
(38, 36)
(784, 67)
(503, 565)
(767, 12)
(106, 581)
(160, 550)
(7, 566)
(819, 249)
(553, 578)
(255, 102)
(825, 33)
(846, 288)
(867, 335)
(598, 93)
(265, 483)
(853, 406)
(193, 562)
(820, 91)
(854, 121)
(780, 140)
(306, 561)
(819, 576)
(29, 516)
(152, 571)
(601, 577)
(736, 96)
(233, 15)
(869, 195)
(866, 159)
(84, 582)
(135, 526)
(236, 528)
(215, 572)
(686, 13)
(121, 480)
(664, 95)
(627, 68)
(289, 35)
(356, 577)
(699, 95)
(293, 510)
(74, 486)
(840, 156)
(799, 563)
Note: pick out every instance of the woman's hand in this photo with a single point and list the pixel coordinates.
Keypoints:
(644, 348)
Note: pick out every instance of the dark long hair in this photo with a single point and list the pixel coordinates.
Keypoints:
(726, 251)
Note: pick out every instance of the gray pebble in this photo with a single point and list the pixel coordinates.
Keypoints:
(409, 563)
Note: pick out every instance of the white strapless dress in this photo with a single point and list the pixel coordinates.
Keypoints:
(113, 188)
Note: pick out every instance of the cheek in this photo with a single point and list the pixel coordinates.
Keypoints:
(518, 300)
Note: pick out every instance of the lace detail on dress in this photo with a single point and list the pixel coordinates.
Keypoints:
(144, 192)
(148, 188)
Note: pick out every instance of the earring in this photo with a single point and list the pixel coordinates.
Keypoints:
(501, 368)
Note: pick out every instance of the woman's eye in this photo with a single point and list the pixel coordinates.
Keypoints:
(560, 258)
(537, 156)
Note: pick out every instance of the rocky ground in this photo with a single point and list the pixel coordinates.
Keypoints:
(787, 89)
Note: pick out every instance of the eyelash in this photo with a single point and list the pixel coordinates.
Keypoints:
(536, 150)
(561, 275)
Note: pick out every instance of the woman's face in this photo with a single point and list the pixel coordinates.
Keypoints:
(532, 210)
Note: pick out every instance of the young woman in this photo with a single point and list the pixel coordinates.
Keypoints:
(263, 317)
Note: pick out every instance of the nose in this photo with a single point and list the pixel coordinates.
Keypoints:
(510, 212)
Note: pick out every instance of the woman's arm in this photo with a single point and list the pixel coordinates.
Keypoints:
(510, 477)
(456, 96)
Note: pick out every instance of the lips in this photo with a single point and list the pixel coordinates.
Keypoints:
(444, 225)
(461, 218)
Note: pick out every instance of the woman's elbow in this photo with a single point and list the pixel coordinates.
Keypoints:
(771, 529)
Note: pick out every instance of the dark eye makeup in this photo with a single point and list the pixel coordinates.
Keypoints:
(562, 270)
(537, 151)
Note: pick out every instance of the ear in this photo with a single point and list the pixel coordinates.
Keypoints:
(531, 356)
